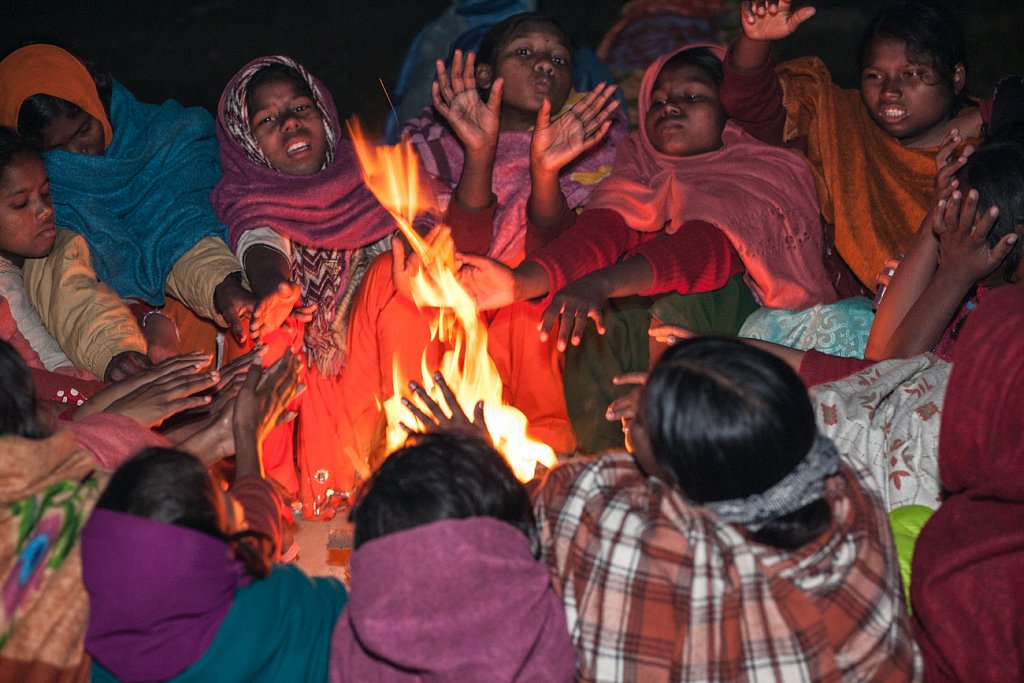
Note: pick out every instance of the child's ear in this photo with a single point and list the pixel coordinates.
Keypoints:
(959, 78)
(484, 75)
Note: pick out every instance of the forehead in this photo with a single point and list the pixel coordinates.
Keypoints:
(536, 31)
(678, 75)
(276, 89)
(888, 49)
(24, 167)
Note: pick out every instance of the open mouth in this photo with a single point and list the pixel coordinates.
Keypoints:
(298, 147)
(892, 113)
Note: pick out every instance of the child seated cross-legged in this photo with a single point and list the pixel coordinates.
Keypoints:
(445, 576)
(694, 207)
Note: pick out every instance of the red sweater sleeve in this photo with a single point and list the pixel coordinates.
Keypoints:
(696, 258)
(820, 368)
(597, 239)
(472, 230)
(754, 101)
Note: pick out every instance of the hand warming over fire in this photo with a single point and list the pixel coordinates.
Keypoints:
(276, 308)
(555, 144)
(438, 418)
(574, 304)
(455, 97)
(406, 263)
(491, 283)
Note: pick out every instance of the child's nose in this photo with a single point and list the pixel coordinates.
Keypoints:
(892, 86)
(44, 210)
(544, 65)
(289, 121)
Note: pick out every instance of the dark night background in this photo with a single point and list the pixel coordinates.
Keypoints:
(188, 50)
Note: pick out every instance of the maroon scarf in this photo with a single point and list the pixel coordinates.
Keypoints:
(336, 225)
(967, 577)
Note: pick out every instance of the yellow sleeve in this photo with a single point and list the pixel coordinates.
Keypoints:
(196, 274)
(85, 316)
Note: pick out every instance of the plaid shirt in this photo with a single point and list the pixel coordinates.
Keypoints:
(656, 589)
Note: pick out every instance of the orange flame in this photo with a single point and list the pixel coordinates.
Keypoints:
(392, 174)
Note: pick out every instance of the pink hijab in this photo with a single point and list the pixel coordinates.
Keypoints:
(762, 197)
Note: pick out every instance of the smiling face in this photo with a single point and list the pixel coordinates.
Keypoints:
(685, 116)
(27, 226)
(288, 127)
(536, 65)
(905, 95)
(80, 133)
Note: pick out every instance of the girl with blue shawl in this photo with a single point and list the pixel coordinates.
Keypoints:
(134, 179)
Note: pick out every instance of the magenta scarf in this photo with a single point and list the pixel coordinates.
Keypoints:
(336, 225)
(332, 209)
(762, 197)
(158, 593)
(456, 600)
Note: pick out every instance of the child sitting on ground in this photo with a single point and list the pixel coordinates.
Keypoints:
(134, 180)
(305, 226)
(105, 333)
(873, 150)
(515, 152)
(445, 577)
(737, 542)
(697, 207)
(180, 576)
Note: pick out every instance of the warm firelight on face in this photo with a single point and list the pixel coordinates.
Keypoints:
(392, 173)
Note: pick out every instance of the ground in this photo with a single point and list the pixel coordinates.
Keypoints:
(188, 50)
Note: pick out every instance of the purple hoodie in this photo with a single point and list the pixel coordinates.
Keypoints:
(456, 600)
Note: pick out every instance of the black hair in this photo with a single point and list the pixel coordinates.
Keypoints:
(40, 110)
(930, 31)
(725, 421)
(442, 475)
(702, 58)
(18, 415)
(13, 146)
(174, 487)
(277, 73)
(996, 172)
(509, 28)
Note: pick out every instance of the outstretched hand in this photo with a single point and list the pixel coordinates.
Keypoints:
(555, 144)
(574, 304)
(236, 304)
(438, 419)
(772, 20)
(455, 97)
(118, 389)
(284, 302)
(670, 334)
(964, 252)
(491, 283)
(172, 387)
